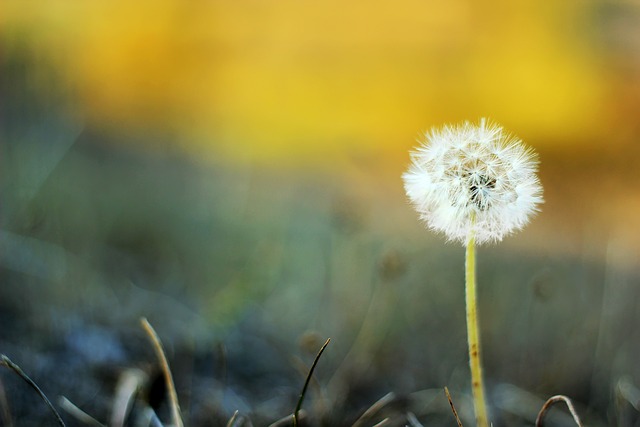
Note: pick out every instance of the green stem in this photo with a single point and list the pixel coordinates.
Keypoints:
(306, 384)
(473, 335)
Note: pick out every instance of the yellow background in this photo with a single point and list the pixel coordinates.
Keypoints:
(308, 81)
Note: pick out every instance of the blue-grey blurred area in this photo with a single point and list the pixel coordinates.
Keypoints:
(244, 270)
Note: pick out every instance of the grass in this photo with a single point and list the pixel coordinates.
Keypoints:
(122, 413)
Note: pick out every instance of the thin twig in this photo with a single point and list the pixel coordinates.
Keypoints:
(553, 400)
(453, 408)
(173, 396)
(4, 360)
(306, 383)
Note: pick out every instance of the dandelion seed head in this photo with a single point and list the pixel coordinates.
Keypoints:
(473, 180)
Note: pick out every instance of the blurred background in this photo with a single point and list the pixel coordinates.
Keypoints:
(231, 170)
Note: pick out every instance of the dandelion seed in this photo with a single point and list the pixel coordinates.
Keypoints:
(473, 180)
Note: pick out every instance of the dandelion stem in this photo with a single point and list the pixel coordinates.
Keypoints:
(473, 335)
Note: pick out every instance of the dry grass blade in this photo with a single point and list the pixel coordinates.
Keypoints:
(162, 358)
(413, 420)
(6, 411)
(381, 403)
(453, 408)
(553, 400)
(627, 391)
(306, 383)
(314, 385)
(4, 360)
(78, 413)
(129, 383)
(238, 420)
(149, 418)
(232, 419)
(382, 423)
(288, 420)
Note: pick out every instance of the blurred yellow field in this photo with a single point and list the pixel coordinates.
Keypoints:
(309, 81)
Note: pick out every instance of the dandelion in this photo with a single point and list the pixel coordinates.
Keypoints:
(473, 180)
(475, 184)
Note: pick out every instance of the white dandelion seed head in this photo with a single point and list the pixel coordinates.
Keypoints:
(475, 180)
